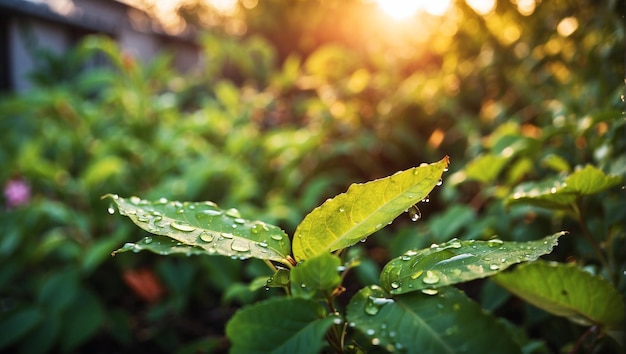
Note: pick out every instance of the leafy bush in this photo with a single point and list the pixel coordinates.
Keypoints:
(392, 314)
(275, 133)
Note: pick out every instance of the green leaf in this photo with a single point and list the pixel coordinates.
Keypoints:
(448, 322)
(280, 279)
(316, 277)
(364, 209)
(566, 290)
(14, 326)
(458, 261)
(162, 245)
(201, 227)
(279, 325)
(485, 168)
(559, 192)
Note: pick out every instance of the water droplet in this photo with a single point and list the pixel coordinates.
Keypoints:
(234, 213)
(147, 240)
(234, 226)
(206, 237)
(430, 291)
(395, 284)
(111, 210)
(364, 239)
(341, 269)
(211, 212)
(352, 324)
(135, 200)
(337, 321)
(239, 221)
(342, 209)
(276, 237)
(182, 227)
(303, 285)
(226, 235)
(494, 267)
(240, 246)
(370, 332)
(375, 341)
(415, 213)
(430, 278)
(445, 169)
(440, 182)
(262, 244)
(494, 242)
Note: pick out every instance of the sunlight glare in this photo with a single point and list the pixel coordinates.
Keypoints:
(436, 8)
(482, 7)
(400, 9)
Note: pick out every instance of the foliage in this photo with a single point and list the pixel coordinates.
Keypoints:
(529, 114)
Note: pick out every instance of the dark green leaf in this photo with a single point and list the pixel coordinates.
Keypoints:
(316, 277)
(279, 325)
(448, 322)
(202, 228)
(280, 279)
(81, 321)
(566, 290)
(14, 326)
(364, 209)
(459, 261)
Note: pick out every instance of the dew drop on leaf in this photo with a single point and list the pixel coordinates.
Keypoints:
(240, 246)
(234, 213)
(211, 212)
(440, 182)
(430, 278)
(395, 284)
(111, 210)
(430, 291)
(370, 332)
(276, 237)
(182, 227)
(494, 267)
(415, 213)
(206, 237)
(226, 235)
(147, 240)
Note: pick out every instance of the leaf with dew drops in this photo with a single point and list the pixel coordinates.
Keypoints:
(559, 192)
(459, 261)
(365, 208)
(202, 228)
(446, 321)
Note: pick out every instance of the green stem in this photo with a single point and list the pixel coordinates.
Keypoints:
(269, 264)
(590, 238)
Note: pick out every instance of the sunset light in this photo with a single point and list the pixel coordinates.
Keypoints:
(403, 9)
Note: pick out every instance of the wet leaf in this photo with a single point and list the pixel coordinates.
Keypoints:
(201, 228)
(458, 261)
(447, 322)
(279, 325)
(316, 277)
(364, 209)
(561, 192)
(566, 290)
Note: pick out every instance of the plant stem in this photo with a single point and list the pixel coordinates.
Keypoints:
(269, 264)
(590, 238)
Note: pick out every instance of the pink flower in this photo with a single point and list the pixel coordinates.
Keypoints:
(16, 192)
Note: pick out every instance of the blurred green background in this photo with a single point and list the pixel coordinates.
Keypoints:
(293, 102)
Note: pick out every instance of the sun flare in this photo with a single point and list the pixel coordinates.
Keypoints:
(400, 9)
(403, 9)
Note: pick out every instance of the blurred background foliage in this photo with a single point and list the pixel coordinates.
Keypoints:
(295, 101)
